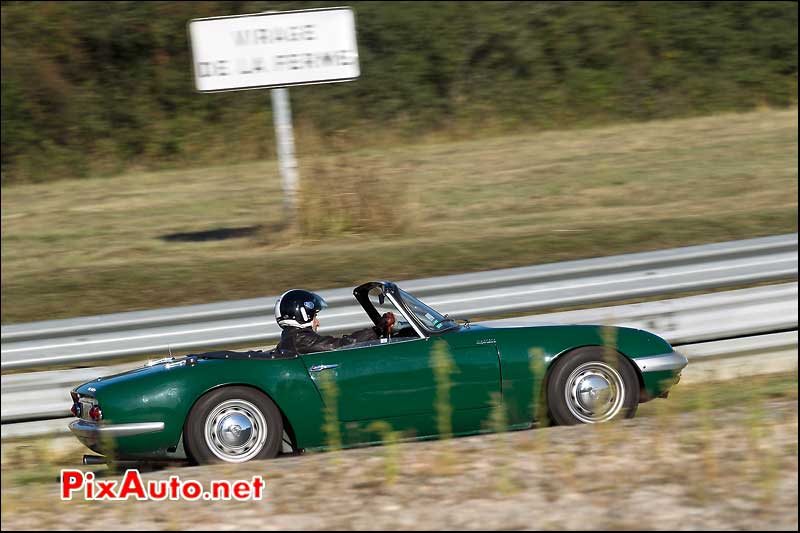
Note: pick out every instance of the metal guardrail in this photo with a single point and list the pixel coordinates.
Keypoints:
(751, 315)
(489, 293)
(691, 319)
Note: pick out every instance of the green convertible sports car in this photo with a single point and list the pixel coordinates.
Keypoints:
(236, 406)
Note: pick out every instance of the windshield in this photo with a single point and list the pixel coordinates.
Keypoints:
(430, 318)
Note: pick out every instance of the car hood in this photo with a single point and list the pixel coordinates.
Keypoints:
(514, 323)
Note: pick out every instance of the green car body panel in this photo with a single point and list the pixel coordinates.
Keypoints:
(390, 381)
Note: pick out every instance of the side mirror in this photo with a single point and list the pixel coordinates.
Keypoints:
(381, 298)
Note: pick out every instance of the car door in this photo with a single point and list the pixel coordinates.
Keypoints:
(377, 381)
(396, 379)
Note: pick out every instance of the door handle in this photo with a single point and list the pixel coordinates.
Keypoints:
(319, 368)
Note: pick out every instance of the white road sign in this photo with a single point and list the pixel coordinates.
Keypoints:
(266, 50)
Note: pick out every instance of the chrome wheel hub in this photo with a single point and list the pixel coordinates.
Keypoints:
(235, 431)
(594, 392)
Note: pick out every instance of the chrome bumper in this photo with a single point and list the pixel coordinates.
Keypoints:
(92, 431)
(96, 437)
(669, 361)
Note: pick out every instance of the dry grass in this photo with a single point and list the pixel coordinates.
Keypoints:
(92, 246)
(350, 196)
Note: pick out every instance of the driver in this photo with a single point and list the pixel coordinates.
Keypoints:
(296, 313)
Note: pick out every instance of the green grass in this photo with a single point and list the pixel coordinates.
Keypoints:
(73, 248)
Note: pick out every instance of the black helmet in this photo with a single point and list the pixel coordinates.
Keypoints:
(298, 308)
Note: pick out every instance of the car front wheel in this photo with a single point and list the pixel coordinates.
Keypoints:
(233, 425)
(592, 385)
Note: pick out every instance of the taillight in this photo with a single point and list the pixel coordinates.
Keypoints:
(75, 409)
(95, 413)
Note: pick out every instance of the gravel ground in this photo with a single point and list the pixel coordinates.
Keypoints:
(700, 470)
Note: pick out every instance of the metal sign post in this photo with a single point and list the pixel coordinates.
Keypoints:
(284, 137)
(275, 50)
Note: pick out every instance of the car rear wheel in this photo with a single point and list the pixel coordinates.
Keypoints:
(233, 425)
(591, 385)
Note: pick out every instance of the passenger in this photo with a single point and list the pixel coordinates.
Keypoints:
(296, 313)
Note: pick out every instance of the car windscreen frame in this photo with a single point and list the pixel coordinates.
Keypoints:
(391, 291)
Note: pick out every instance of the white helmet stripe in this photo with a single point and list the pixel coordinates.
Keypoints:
(293, 323)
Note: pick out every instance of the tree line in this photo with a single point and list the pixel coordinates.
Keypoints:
(97, 88)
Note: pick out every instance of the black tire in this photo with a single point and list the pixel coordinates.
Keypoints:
(217, 428)
(587, 369)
